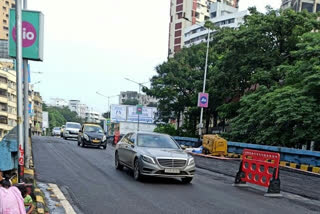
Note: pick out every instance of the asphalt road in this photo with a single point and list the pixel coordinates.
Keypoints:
(91, 183)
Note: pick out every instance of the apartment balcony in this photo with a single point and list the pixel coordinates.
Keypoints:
(3, 113)
(3, 99)
(37, 99)
(5, 127)
(4, 86)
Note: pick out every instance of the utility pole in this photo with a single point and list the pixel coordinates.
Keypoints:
(19, 69)
(27, 146)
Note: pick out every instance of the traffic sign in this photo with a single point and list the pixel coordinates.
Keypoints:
(139, 109)
(203, 99)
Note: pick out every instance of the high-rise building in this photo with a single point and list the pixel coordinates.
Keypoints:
(299, 5)
(8, 99)
(58, 102)
(5, 6)
(184, 13)
(221, 15)
(133, 97)
(37, 117)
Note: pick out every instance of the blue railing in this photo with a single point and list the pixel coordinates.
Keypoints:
(297, 156)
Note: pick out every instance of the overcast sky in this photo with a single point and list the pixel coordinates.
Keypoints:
(94, 46)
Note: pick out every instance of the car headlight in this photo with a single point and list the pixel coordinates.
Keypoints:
(86, 137)
(191, 161)
(104, 138)
(67, 132)
(148, 159)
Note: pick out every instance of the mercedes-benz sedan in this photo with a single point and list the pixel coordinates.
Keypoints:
(153, 154)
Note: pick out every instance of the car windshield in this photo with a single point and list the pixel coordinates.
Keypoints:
(96, 129)
(73, 125)
(156, 141)
(56, 128)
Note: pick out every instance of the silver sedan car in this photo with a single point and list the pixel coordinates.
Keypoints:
(153, 154)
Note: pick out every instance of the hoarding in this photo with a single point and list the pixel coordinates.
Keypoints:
(45, 120)
(147, 115)
(32, 35)
(126, 127)
(118, 113)
(203, 99)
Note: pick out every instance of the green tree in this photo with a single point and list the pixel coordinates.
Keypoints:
(166, 129)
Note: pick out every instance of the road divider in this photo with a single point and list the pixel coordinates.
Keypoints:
(260, 168)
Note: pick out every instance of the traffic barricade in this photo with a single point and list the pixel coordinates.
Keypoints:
(260, 168)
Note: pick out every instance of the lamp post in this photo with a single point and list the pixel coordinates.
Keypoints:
(140, 84)
(205, 73)
(108, 97)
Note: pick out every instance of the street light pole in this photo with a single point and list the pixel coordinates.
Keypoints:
(26, 105)
(19, 91)
(108, 97)
(205, 74)
(140, 84)
(204, 81)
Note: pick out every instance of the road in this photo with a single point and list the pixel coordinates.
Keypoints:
(89, 180)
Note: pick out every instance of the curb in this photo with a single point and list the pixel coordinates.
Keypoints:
(302, 167)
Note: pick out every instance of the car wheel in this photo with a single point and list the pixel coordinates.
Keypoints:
(117, 162)
(136, 171)
(105, 147)
(186, 180)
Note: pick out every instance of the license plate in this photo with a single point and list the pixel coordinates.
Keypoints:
(96, 141)
(174, 171)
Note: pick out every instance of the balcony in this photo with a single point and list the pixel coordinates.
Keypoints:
(3, 99)
(37, 99)
(3, 85)
(5, 127)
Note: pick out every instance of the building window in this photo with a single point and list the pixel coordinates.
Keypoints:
(7, 3)
(318, 8)
(179, 1)
(4, 8)
(177, 33)
(307, 6)
(213, 14)
(3, 120)
(197, 15)
(179, 8)
(177, 41)
(7, 15)
(206, 17)
(178, 25)
(13, 6)
(177, 48)
(5, 28)
(4, 21)
(180, 15)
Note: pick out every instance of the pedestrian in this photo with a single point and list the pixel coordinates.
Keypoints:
(11, 201)
(28, 202)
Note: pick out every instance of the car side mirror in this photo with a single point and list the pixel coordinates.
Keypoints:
(132, 145)
(80, 130)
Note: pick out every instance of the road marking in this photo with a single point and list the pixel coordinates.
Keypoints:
(65, 203)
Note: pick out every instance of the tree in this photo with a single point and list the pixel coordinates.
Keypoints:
(288, 114)
(166, 129)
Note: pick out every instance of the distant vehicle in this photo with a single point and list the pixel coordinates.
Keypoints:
(56, 131)
(154, 154)
(62, 130)
(71, 130)
(92, 135)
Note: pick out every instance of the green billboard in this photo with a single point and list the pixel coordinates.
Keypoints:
(32, 35)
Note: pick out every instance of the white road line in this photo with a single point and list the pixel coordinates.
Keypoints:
(65, 203)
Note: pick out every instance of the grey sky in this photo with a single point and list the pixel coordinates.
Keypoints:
(93, 47)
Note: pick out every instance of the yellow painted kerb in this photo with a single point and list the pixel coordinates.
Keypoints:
(39, 199)
(28, 171)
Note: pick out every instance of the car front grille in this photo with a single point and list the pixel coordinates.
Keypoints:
(172, 162)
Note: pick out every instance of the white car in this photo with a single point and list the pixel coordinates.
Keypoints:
(71, 130)
(56, 131)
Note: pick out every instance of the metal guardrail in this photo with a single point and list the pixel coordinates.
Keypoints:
(298, 156)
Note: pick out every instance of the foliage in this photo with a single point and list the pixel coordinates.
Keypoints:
(263, 80)
(166, 129)
(59, 116)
